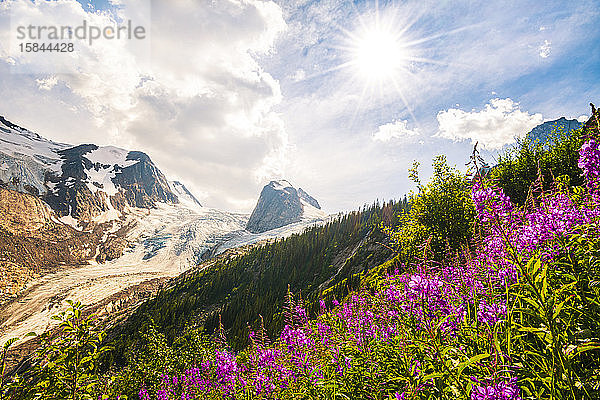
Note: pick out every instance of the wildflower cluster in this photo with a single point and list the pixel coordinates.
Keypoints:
(589, 162)
(508, 311)
(443, 330)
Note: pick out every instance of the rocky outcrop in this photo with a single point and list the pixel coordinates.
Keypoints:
(22, 214)
(279, 204)
(87, 187)
(69, 194)
(114, 245)
(142, 183)
(308, 198)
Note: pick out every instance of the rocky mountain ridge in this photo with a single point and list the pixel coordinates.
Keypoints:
(280, 204)
(183, 194)
(84, 183)
(544, 131)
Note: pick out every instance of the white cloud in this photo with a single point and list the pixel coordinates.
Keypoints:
(299, 75)
(202, 106)
(499, 123)
(583, 118)
(47, 83)
(394, 130)
(545, 49)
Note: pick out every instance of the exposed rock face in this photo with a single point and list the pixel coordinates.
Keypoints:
(184, 195)
(308, 198)
(114, 245)
(21, 213)
(88, 188)
(69, 194)
(84, 182)
(143, 183)
(279, 204)
(543, 131)
(32, 242)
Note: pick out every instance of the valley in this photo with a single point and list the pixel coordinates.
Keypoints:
(164, 243)
(86, 223)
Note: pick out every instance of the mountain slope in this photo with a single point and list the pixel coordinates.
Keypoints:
(183, 194)
(26, 158)
(280, 204)
(87, 182)
(308, 199)
(543, 132)
(33, 242)
(241, 288)
(87, 222)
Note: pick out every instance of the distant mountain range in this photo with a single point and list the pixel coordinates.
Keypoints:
(87, 182)
(543, 132)
(77, 205)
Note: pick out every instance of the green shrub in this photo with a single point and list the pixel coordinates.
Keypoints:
(441, 216)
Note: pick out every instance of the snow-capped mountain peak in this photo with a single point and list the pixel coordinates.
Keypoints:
(281, 204)
(280, 184)
(25, 157)
(83, 182)
(110, 155)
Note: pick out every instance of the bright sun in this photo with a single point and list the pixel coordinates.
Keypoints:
(378, 55)
(385, 53)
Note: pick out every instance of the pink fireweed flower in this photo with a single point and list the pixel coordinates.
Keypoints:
(491, 313)
(491, 203)
(503, 390)
(589, 162)
(143, 393)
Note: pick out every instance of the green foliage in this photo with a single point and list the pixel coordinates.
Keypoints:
(152, 356)
(520, 166)
(554, 324)
(5, 349)
(440, 218)
(65, 366)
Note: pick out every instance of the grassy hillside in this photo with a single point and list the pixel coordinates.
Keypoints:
(242, 288)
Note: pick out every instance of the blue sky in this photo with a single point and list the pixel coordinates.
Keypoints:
(481, 51)
(96, 4)
(236, 93)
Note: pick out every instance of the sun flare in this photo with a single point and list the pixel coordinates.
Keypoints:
(378, 55)
(385, 54)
